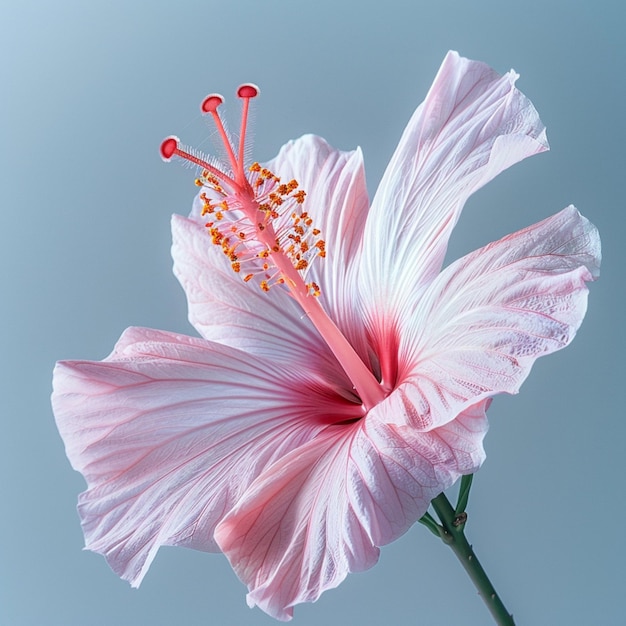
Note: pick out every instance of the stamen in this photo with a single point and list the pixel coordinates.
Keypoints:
(315, 289)
(267, 221)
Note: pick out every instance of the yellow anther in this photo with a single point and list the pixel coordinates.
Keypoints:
(198, 183)
(315, 290)
(276, 208)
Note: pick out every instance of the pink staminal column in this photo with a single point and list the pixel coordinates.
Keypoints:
(260, 229)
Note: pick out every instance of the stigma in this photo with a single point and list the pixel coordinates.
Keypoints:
(258, 220)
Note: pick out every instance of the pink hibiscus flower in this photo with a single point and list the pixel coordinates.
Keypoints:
(343, 383)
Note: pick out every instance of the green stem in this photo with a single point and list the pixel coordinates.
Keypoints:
(453, 535)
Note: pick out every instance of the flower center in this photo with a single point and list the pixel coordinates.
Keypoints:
(262, 227)
(260, 223)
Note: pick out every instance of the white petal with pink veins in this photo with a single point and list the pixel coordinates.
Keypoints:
(322, 510)
(485, 319)
(168, 432)
(295, 534)
(472, 125)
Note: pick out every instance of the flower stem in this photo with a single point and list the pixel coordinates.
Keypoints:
(452, 534)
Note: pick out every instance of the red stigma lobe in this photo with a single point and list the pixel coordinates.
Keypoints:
(211, 102)
(248, 90)
(168, 147)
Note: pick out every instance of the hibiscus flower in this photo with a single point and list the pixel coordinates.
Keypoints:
(342, 376)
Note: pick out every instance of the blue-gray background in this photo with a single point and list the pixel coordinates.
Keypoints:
(89, 90)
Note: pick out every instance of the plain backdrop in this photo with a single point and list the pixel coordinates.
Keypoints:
(89, 89)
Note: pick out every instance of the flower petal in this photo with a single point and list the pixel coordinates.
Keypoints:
(168, 432)
(398, 470)
(486, 318)
(320, 512)
(224, 309)
(472, 125)
(294, 534)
